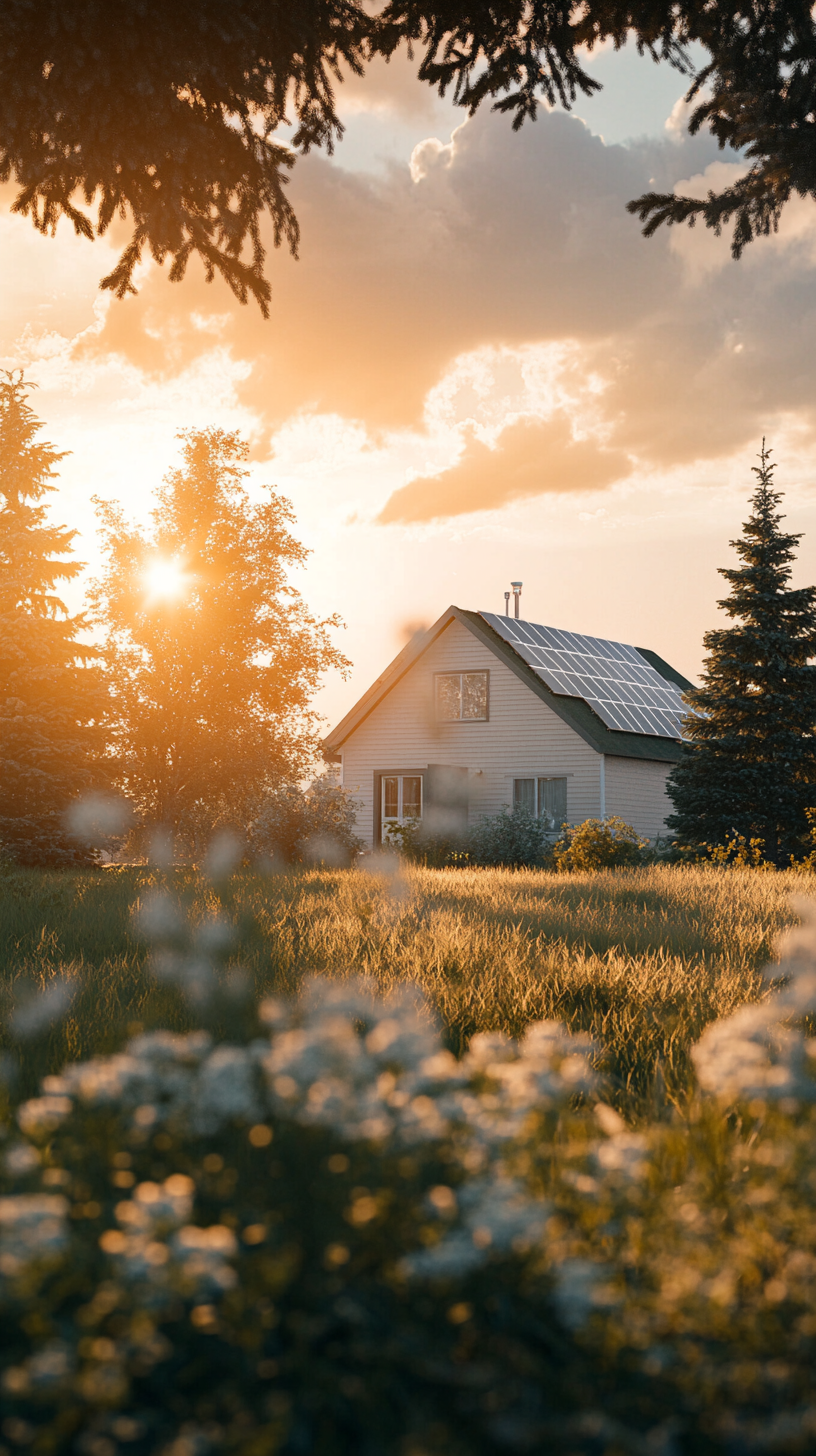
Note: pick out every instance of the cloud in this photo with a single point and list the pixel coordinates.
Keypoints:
(532, 457)
(487, 240)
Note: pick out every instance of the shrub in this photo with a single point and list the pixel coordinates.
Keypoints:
(512, 837)
(599, 844)
(315, 825)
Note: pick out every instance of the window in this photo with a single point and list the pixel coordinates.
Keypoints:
(544, 798)
(401, 797)
(461, 696)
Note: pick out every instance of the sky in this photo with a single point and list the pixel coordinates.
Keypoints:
(477, 371)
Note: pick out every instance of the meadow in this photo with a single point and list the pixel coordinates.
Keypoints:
(640, 959)
(307, 1227)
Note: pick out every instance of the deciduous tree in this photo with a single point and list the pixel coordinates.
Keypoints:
(750, 765)
(52, 697)
(214, 656)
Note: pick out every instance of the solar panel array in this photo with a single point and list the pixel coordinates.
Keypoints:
(626, 692)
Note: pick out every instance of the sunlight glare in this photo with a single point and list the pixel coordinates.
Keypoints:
(165, 579)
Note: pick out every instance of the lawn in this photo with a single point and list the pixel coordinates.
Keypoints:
(641, 959)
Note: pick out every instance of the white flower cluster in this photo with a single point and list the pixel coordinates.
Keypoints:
(753, 1053)
(33, 1226)
(149, 1248)
(368, 1066)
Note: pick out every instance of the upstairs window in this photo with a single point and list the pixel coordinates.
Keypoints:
(461, 697)
(544, 798)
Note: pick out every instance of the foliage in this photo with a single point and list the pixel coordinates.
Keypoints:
(512, 837)
(294, 825)
(598, 844)
(435, 848)
(325, 1233)
(211, 688)
(51, 692)
(167, 117)
(750, 765)
(641, 960)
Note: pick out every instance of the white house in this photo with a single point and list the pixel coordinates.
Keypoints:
(483, 711)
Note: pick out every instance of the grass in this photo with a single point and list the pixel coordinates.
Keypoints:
(641, 959)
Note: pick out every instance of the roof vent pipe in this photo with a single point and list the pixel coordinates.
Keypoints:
(516, 585)
(507, 604)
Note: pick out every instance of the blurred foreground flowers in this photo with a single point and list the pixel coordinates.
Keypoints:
(329, 1235)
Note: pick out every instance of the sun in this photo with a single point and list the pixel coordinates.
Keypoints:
(165, 579)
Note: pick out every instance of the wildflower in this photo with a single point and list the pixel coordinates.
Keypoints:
(32, 1226)
(37, 1014)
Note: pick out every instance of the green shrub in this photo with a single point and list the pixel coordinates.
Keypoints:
(599, 844)
(512, 837)
(316, 825)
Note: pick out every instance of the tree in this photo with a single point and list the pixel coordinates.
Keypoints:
(165, 114)
(52, 696)
(749, 767)
(214, 656)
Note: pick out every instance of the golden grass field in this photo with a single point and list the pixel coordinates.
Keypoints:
(641, 959)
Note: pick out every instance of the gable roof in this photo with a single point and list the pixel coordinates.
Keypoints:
(575, 711)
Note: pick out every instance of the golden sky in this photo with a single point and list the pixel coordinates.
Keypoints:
(478, 370)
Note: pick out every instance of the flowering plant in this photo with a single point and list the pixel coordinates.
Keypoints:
(328, 1234)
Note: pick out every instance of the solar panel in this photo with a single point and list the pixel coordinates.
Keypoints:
(626, 692)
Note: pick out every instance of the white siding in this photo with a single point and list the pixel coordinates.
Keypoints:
(636, 790)
(523, 737)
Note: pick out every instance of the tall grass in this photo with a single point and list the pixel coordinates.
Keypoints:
(641, 959)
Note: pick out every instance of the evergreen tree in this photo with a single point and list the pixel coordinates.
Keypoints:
(750, 764)
(51, 692)
(214, 655)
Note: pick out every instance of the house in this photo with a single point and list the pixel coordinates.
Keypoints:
(484, 711)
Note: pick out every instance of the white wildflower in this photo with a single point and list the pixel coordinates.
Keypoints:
(625, 1152)
(580, 1289)
(43, 1115)
(32, 1226)
(35, 1015)
(202, 1256)
(225, 1089)
(20, 1159)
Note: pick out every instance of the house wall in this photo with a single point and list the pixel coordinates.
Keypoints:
(523, 737)
(636, 790)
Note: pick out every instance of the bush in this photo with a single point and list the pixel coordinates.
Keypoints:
(512, 837)
(315, 825)
(599, 844)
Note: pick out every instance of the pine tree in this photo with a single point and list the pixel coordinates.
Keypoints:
(750, 763)
(51, 692)
(214, 656)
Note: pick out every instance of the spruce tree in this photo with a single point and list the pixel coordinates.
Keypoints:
(51, 693)
(749, 766)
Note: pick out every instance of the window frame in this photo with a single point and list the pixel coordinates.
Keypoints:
(462, 673)
(537, 780)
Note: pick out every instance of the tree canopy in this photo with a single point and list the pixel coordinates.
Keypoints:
(214, 656)
(52, 696)
(749, 767)
(165, 115)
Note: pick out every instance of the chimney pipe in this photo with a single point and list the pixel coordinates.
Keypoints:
(516, 585)
(507, 604)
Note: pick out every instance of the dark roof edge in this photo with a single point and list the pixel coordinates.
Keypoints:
(388, 679)
(573, 711)
(666, 670)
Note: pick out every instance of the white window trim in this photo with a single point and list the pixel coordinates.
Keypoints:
(400, 818)
(460, 673)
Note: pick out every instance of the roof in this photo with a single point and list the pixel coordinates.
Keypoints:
(543, 664)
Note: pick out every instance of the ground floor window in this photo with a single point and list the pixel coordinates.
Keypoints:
(544, 798)
(401, 798)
